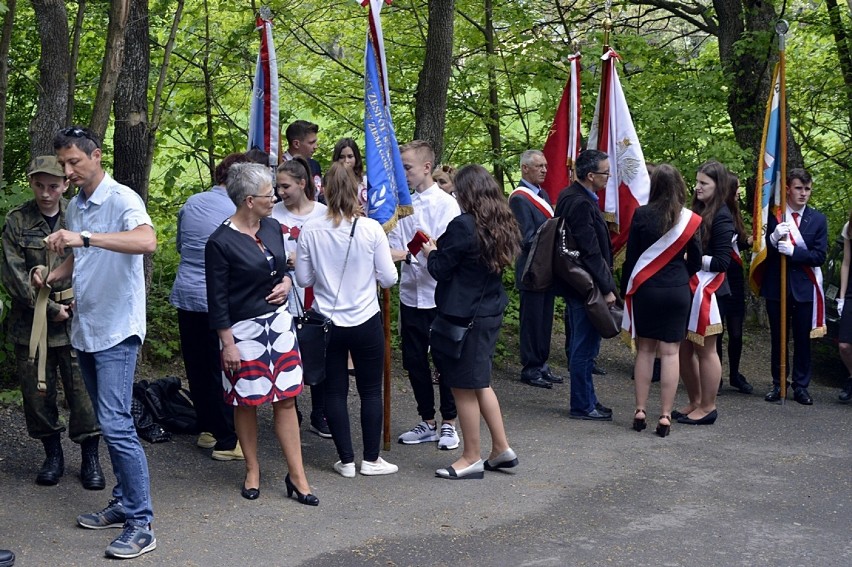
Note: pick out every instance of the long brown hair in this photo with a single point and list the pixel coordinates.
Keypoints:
(341, 193)
(719, 174)
(668, 194)
(496, 228)
(733, 201)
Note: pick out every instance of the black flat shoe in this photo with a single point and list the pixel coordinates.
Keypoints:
(639, 423)
(708, 419)
(664, 428)
(538, 382)
(307, 499)
(553, 378)
(597, 370)
(740, 383)
(677, 415)
(603, 409)
(774, 395)
(802, 396)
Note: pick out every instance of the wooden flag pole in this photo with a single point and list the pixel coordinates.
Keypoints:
(781, 29)
(386, 323)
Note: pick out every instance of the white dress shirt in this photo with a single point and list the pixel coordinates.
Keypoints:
(433, 211)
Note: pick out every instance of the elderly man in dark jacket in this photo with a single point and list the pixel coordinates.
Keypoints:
(578, 205)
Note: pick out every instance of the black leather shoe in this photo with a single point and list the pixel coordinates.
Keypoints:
(802, 396)
(708, 419)
(7, 558)
(603, 409)
(740, 383)
(774, 394)
(598, 370)
(593, 415)
(91, 475)
(53, 466)
(553, 378)
(846, 393)
(538, 382)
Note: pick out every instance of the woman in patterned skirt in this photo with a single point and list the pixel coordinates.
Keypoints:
(247, 288)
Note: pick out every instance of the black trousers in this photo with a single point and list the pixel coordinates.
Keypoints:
(366, 343)
(536, 325)
(414, 328)
(201, 359)
(799, 317)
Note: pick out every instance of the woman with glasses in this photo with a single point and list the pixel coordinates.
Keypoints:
(247, 289)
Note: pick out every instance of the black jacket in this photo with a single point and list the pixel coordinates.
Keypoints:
(529, 218)
(238, 275)
(586, 222)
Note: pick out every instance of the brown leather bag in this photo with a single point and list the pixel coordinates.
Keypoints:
(568, 266)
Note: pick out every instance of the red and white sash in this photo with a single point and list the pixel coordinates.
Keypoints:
(537, 201)
(736, 255)
(818, 328)
(654, 258)
(705, 318)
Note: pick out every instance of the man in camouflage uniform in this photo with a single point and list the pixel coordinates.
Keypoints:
(24, 248)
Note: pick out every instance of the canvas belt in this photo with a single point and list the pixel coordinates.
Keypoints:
(38, 333)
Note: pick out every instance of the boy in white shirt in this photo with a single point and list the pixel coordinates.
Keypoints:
(433, 211)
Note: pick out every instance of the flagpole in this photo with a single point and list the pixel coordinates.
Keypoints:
(781, 29)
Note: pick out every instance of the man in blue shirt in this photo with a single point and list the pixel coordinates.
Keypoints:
(108, 231)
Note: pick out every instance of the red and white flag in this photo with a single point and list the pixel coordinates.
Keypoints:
(612, 132)
(563, 142)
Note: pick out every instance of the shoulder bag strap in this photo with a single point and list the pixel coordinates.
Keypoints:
(343, 271)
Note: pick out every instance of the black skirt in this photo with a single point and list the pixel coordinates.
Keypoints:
(844, 333)
(472, 371)
(662, 313)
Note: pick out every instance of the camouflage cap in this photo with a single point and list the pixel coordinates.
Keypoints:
(45, 164)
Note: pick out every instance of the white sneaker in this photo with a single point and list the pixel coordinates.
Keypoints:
(421, 433)
(346, 471)
(449, 438)
(378, 467)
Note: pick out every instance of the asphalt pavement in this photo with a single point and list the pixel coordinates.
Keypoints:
(766, 485)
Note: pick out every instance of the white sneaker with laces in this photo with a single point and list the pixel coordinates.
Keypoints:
(346, 471)
(420, 433)
(377, 467)
(449, 438)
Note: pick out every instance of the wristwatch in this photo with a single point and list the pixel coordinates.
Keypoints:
(408, 257)
(85, 235)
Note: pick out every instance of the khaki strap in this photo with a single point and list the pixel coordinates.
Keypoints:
(38, 334)
(64, 295)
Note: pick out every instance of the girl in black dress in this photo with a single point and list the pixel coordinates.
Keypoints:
(700, 367)
(845, 333)
(467, 262)
(661, 302)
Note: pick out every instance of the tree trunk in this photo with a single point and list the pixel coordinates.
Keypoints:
(208, 92)
(493, 122)
(841, 42)
(75, 55)
(5, 43)
(52, 23)
(113, 56)
(130, 138)
(430, 110)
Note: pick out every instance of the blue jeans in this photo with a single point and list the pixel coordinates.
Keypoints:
(585, 345)
(108, 375)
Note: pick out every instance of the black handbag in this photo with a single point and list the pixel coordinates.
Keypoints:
(312, 330)
(447, 338)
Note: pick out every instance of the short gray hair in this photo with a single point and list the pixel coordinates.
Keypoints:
(246, 179)
(527, 156)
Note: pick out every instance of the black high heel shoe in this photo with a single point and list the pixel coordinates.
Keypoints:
(663, 430)
(639, 424)
(249, 493)
(308, 499)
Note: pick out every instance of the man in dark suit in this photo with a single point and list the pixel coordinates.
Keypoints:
(578, 205)
(803, 238)
(531, 207)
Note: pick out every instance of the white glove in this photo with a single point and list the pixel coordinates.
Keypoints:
(840, 305)
(705, 263)
(782, 230)
(786, 247)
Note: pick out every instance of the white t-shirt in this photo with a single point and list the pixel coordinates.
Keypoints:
(291, 227)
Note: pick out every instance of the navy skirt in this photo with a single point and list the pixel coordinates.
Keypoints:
(472, 371)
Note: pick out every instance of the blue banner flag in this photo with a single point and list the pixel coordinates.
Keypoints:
(388, 198)
(263, 116)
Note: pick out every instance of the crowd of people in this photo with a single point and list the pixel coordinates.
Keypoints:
(261, 247)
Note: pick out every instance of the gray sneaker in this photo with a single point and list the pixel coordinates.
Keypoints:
(449, 438)
(110, 517)
(421, 433)
(133, 542)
